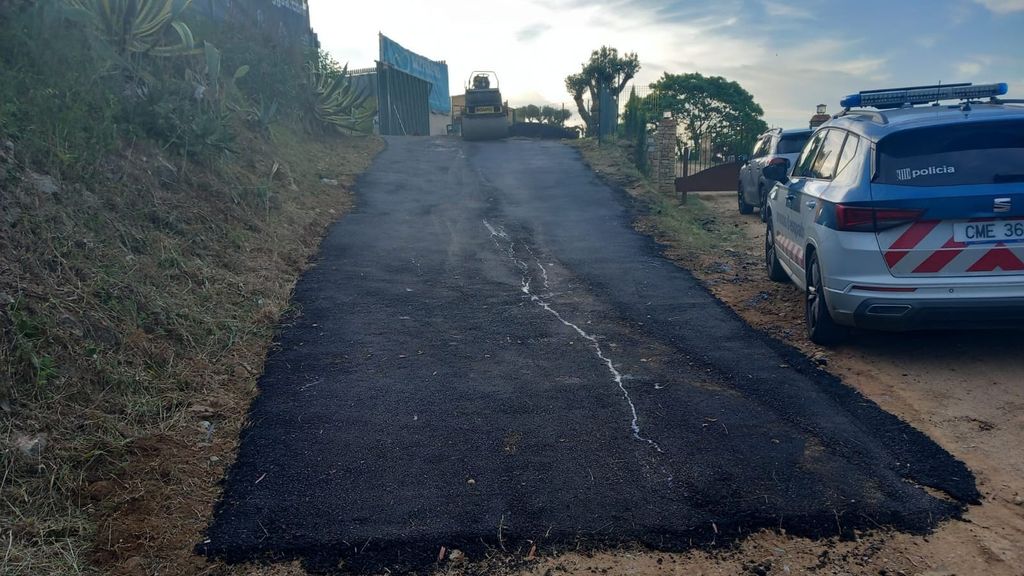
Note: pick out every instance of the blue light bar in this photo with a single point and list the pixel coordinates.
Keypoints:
(896, 97)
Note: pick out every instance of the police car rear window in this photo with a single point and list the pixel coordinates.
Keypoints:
(976, 153)
(793, 144)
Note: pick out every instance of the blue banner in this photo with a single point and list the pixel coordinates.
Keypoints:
(436, 73)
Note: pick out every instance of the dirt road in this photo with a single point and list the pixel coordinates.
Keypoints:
(487, 355)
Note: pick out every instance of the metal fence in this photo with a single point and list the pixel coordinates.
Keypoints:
(402, 103)
(605, 115)
(288, 20)
(694, 153)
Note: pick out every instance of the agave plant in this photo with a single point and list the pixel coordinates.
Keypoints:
(260, 114)
(208, 84)
(335, 102)
(137, 26)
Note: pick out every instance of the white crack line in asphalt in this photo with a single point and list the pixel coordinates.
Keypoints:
(543, 271)
(499, 232)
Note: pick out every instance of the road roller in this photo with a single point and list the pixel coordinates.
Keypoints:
(484, 117)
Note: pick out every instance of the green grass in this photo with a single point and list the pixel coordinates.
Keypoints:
(123, 318)
(148, 282)
(54, 104)
(690, 227)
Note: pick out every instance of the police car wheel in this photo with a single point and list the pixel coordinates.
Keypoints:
(821, 329)
(771, 259)
(744, 207)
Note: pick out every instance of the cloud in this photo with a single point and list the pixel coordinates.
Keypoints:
(532, 32)
(971, 67)
(780, 10)
(835, 55)
(1002, 6)
(968, 69)
(790, 54)
(866, 67)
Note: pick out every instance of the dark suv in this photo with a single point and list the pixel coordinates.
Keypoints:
(774, 152)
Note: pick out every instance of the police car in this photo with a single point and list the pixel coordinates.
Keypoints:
(773, 149)
(906, 212)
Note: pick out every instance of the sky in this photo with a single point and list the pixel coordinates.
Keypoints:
(790, 54)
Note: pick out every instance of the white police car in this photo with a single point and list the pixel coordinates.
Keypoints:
(908, 215)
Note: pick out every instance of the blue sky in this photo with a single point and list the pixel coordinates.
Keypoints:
(790, 54)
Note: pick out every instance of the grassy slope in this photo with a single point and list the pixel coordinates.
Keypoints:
(136, 311)
(690, 229)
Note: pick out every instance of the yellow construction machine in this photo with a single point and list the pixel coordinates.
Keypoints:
(484, 116)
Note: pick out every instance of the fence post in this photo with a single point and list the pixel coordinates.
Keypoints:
(666, 170)
(651, 153)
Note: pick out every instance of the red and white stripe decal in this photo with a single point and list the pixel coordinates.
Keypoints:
(928, 247)
(911, 238)
(794, 251)
(940, 258)
(998, 258)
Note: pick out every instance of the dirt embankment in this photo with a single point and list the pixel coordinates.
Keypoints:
(137, 311)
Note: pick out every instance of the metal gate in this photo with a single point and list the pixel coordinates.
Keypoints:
(694, 153)
(402, 101)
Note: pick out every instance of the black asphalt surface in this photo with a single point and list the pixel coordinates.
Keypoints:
(488, 354)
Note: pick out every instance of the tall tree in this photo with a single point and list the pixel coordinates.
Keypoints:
(719, 116)
(604, 69)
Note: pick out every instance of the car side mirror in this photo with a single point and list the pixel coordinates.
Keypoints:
(777, 170)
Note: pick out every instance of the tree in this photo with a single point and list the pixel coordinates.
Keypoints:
(556, 116)
(719, 116)
(605, 69)
(543, 114)
(635, 124)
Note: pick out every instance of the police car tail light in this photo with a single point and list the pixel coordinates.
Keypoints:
(855, 219)
(896, 97)
(862, 219)
(888, 218)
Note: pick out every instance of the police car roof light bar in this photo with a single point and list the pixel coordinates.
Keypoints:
(898, 97)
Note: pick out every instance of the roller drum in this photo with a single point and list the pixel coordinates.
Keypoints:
(484, 128)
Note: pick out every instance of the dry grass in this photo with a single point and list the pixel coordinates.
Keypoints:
(136, 312)
(692, 228)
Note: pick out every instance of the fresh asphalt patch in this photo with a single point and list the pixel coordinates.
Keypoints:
(486, 354)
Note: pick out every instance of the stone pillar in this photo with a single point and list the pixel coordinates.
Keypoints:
(665, 172)
(652, 156)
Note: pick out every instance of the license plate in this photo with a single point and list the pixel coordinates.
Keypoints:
(989, 232)
(483, 109)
